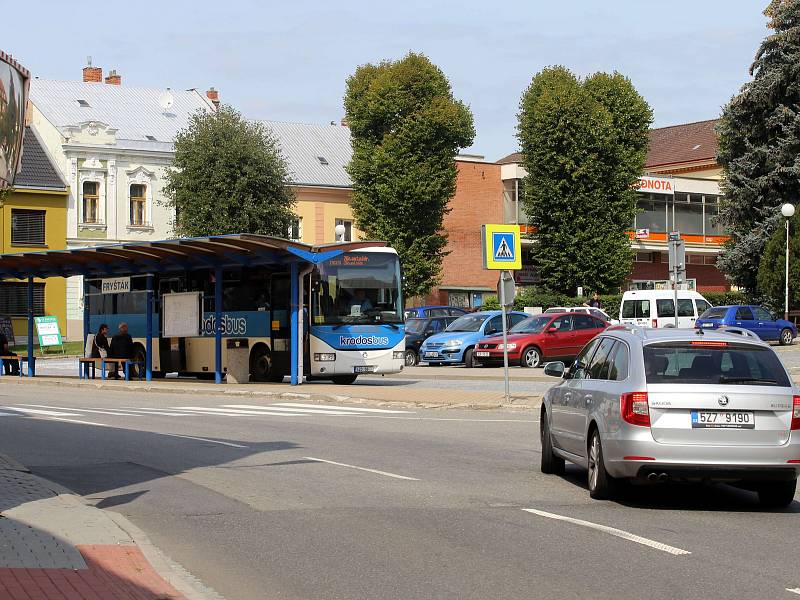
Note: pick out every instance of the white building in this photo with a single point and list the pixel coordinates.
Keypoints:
(112, 144)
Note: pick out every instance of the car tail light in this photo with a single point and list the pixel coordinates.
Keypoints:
(795, 412)
(655, 323)
(634, 408)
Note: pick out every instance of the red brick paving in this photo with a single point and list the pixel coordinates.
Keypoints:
(114, 573)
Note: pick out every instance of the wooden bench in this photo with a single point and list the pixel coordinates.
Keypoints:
(20, 359)
(87, 364)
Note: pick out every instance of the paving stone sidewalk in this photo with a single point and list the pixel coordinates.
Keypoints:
(53, 546)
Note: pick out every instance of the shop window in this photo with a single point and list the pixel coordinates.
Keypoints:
(138, 203)
(688, 214)
(27, 227)
(14, 299)
(652, 213)
(90, 202)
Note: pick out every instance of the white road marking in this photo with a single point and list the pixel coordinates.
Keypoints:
(273, 407)
(78, 421)
(199, 439)
(611, 531)
(162, 412)
(36, 411)
(449, 419)
(5, 414)
(332, 407)
(338, 464)
(793, 591)
(91, 410)
(230, 412)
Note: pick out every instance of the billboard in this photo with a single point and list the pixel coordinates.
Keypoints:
(14, 81)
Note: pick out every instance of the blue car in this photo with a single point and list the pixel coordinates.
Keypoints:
(755, 318)
(420, 312)
(456, 344)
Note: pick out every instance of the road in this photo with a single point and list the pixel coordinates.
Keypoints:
(264, 500)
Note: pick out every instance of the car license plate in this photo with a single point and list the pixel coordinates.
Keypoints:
(431, 355)
(364, 369)
(481, 354)
(723, 419)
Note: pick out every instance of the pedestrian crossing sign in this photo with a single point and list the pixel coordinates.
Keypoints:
(502, 247)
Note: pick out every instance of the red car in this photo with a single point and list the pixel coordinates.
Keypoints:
(541, 338)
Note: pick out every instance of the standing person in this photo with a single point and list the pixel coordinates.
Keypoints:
(121, 346)
(100, 346)
(594, 302)
(10, 366)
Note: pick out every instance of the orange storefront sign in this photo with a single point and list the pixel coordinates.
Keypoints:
(714, 240)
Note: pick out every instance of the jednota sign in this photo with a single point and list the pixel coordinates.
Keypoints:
(655, 185)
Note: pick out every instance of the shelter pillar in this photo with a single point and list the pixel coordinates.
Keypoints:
(295, 307)
(148, 349)
(218, 324)
(31, 357)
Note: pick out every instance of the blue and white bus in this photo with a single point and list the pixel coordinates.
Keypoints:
(353, 317)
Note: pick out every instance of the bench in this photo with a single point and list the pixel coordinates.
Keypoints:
(20, 360)
(85, 365)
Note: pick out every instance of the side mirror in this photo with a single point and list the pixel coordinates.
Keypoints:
(554, 369)
(552, 329)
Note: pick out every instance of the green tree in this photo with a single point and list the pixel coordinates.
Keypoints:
(584, 144)
(771, 278)
(759, 141)
(228, 176)
(407, 129)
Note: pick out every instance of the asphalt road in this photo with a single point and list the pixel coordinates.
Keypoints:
(355, 503)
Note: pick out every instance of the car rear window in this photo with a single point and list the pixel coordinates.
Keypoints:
(715, 313)
(712, 362)
(636, 309)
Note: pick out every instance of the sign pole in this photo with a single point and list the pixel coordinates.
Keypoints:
(503, 275)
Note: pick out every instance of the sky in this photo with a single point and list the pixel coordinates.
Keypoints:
(289, 60)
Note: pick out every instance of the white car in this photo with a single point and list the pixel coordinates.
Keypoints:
(656, 308)
(589, 310)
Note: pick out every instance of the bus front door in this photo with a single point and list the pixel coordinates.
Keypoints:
(280, 329)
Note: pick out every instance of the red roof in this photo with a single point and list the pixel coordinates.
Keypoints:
(513, 158)
(679, 144)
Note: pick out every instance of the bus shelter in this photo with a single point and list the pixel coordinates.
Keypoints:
(157, 258)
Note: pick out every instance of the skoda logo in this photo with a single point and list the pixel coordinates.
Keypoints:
(723, 400)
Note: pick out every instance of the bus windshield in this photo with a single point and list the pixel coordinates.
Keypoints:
(357, 288)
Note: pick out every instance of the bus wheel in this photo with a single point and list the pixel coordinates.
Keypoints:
(261, 364)
(344, 379)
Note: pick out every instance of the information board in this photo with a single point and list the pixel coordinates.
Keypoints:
(181, 314)
(48, 331)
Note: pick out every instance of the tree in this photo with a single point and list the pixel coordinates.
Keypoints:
(228, 176)
(584, 144)
(407, 129)
(771, 278)
(758, 145)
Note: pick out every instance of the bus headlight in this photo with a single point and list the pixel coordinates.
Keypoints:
(324, 356)
(398, 355)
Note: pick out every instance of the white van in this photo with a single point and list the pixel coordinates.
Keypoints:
(656, 308)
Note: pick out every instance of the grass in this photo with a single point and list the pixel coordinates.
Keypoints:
(70, 349)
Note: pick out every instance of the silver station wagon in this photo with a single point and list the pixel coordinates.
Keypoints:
(675, 405)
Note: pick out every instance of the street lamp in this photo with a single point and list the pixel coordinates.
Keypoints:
(787, 210)
(340, 230)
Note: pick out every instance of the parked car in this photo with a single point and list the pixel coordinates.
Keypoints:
(540, 338)
(418, 330)
(656, 308)
(589, 310)
(675, 405)
(755, 318)
(419, 312)
(457, 343)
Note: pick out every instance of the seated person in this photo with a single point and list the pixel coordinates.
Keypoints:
(11, 366)
(100, 346)
(121, 347)
(359, 303)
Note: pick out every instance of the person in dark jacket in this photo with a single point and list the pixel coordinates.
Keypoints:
(11, 366)
(121, 346)
(100, 348)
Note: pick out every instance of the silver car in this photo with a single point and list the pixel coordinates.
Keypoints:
(675, 405)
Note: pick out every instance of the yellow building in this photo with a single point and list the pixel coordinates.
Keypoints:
(34, 218)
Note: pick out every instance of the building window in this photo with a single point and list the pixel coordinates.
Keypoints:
(91, 201)
(348, 230)
(27, 227)
(644, 257)
(14, 299)
(138, 203)
(296, 230)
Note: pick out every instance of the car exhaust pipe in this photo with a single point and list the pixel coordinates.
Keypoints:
(663, 477)
(652, 477)
(657, 477)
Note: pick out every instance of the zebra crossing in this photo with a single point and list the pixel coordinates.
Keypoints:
(281, 409)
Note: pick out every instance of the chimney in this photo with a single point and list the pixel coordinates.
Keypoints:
(213, 95)
(90, 73)
(113, 78)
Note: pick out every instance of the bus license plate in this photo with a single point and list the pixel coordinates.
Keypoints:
(364, 369)
(431, 355)
(723, 419)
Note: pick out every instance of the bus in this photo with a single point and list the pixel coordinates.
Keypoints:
(352, 317)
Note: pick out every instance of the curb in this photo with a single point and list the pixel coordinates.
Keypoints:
(532, 401)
